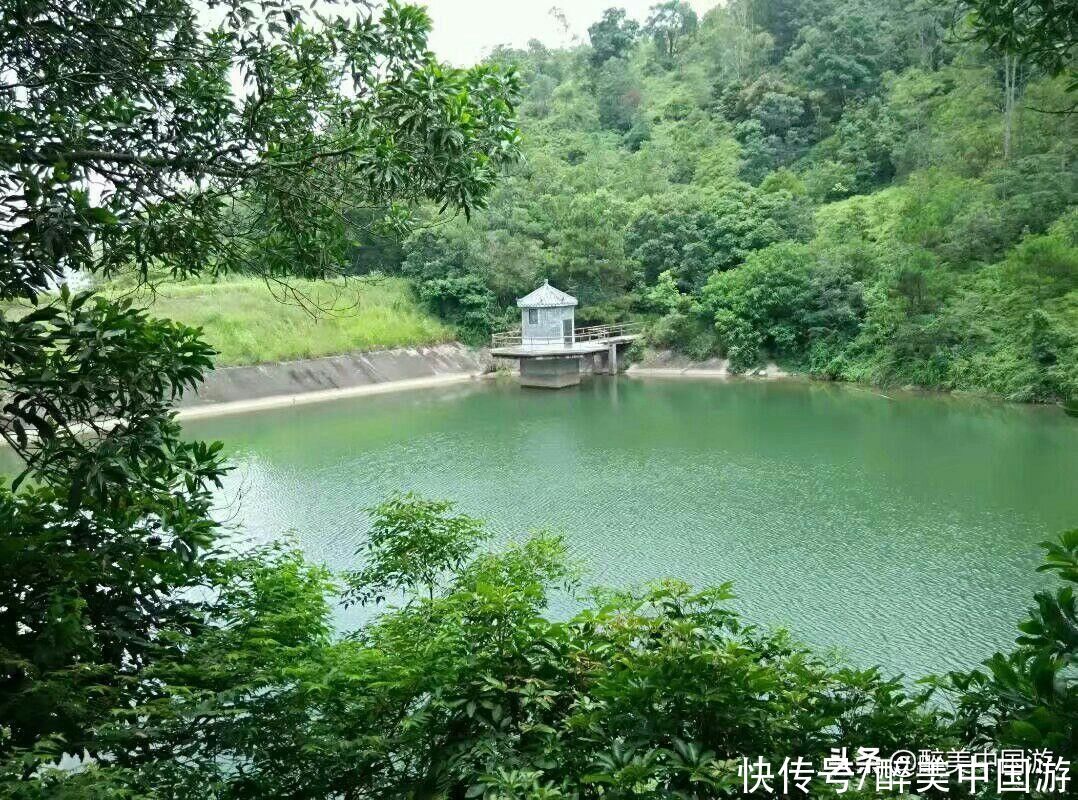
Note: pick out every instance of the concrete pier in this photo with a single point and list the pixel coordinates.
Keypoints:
(557, 362)
(552, 372)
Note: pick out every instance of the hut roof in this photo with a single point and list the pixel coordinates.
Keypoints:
(546, 296)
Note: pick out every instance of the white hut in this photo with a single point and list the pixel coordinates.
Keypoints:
(546, 317)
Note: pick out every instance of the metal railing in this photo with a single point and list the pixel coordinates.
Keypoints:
(590, 334)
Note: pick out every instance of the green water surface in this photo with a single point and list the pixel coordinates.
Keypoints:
(902, 530)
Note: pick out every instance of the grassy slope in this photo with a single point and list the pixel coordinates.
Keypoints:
(249, 323)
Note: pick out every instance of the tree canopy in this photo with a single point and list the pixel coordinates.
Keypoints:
(137, 137)
(1043, 32)
(612, 36)
(126, 145)
(669, 23)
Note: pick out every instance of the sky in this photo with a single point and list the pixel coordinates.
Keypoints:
(466, 30)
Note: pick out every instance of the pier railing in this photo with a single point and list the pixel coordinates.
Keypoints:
(590, 334)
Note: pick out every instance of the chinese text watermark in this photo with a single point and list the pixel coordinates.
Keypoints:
(1017, 771)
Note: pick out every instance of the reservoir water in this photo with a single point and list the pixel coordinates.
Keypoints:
(900, 530)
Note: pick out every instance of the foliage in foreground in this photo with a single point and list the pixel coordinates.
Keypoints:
(126, 148)
(469, 691)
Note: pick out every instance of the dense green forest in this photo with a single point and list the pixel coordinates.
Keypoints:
(706, 185)
(856, 189)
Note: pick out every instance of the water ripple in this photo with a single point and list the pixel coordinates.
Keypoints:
(902, 533)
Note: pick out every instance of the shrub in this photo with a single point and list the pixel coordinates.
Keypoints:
(463, 300)
(470, 691)
(781, 302)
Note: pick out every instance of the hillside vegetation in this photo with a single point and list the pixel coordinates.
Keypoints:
(850, 187)
(248, 322)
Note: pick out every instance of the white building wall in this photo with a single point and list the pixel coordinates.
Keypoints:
(547, 332)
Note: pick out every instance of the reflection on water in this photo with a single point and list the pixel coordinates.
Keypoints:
(902, 531)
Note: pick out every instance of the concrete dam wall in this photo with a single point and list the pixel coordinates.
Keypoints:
(351, 373)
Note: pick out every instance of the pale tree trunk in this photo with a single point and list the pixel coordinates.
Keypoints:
(741, 14)
(1010, 93)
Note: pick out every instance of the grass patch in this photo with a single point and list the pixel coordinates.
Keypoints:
(250, 323)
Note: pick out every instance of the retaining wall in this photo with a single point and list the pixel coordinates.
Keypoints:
(349, 371)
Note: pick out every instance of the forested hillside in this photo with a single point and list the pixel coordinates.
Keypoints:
(857, 189)
(839, 189)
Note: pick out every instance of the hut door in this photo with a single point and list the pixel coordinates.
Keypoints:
(567, 330)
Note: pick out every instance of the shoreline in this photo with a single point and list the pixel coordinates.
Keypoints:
(668, 364)
(208, 410)
(371, 373)
(320, 396)
(711, 374)
(234, 390)
(778, 375)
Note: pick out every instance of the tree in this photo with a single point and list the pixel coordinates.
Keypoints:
(736, 46)
(463, 300)
(412, 545)
(775, 123)
(476, 692)
(844, 55)
(1041, 32)
(376, 247)
(692, 238)
(784, 18)
(125, 148)
(612, 36)
(781, 303)
(864, 141)
(664, 297)
(115, 519)
(777, 112)
(632, 171)
(684, 240)
(668, 24)
(587, 254)
(617, 93)
(1012, 83)
(349, 104)
(774, 135)
(924, 29)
